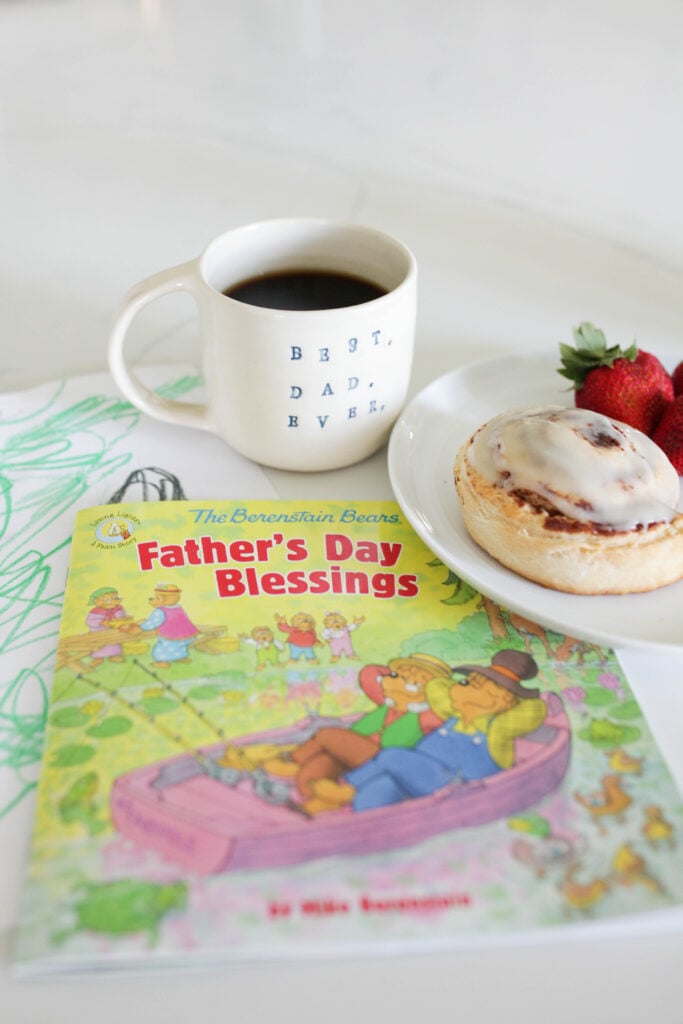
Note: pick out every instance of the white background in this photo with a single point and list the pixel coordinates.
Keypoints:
(528, 152)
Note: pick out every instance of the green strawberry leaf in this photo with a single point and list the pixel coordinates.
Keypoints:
(590, 338)
(591, 352)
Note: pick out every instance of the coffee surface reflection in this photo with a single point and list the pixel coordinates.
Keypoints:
(304, 289)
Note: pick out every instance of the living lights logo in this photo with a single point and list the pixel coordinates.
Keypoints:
(114, 531)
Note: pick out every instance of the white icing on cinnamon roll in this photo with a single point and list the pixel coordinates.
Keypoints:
(588, 467)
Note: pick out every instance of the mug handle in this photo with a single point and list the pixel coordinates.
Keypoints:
(180, 278)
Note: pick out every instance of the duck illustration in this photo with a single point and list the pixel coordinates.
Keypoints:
(610, 800)
(656, 828)
(629, 868)
(620, 761)
(582, 896)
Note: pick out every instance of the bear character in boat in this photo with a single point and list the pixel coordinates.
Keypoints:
(479, 745)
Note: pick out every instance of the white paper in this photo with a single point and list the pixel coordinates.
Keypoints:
(64, 446)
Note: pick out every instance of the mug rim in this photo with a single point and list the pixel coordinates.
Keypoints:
(407, 281)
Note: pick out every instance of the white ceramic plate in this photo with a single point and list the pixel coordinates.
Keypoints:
(421, 455)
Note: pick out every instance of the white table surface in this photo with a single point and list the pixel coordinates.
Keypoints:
(530, 157)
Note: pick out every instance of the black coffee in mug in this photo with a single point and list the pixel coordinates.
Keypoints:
(305, 289)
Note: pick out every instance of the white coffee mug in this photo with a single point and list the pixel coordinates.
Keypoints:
(310, 389)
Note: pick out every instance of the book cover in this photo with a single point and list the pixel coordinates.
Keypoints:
(284, 728)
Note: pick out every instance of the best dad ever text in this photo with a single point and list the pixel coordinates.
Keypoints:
(296, 391)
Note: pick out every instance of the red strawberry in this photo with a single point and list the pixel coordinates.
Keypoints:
(631, 386)
(669, 433)
(677, 378)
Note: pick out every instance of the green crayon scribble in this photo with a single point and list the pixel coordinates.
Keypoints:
(49, 459)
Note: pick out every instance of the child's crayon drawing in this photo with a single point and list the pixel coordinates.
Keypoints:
(210, 752)
(64, 446)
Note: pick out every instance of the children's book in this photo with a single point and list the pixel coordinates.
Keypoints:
(287, 729)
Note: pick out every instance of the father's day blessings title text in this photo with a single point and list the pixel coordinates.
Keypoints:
(244, 558)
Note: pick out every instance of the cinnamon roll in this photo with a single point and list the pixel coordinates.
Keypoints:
(573, 500)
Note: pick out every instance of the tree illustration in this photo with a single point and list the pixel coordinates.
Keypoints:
(463, 592)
